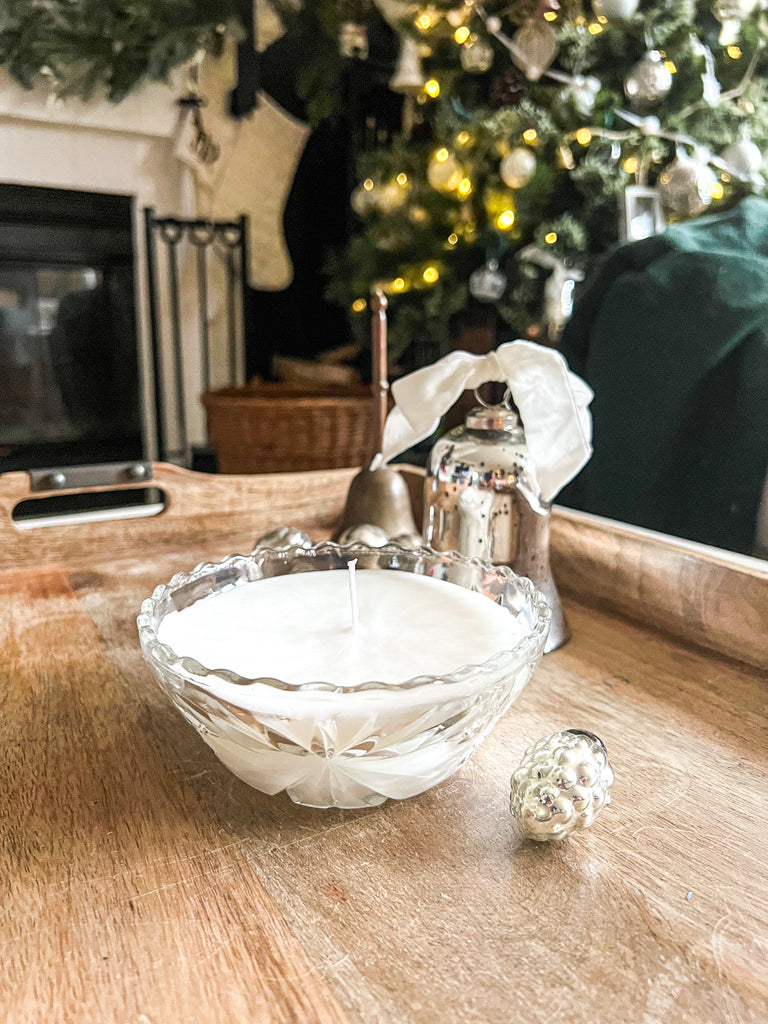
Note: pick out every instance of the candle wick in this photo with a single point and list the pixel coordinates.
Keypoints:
(353, 593)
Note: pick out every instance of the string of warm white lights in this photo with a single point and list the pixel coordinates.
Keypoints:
(585, 127)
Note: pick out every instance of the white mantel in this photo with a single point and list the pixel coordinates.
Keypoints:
(148, 111)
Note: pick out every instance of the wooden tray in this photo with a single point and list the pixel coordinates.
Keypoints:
(145, 884)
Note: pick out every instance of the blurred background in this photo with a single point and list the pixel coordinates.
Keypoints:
(196, 204)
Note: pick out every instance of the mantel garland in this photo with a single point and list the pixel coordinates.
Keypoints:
(81, 47)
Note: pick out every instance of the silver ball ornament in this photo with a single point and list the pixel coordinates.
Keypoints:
(648, 82)
(518, 167)
(364, 533)
(458, 15)
(284, 537)
(444, 175)
(615, 9)
(418, 215)
(744, 159)
(561, 784)
(685, 187)
(488, 283)
(363, 201)
(493, 24)
(391, 197)
(476, 55)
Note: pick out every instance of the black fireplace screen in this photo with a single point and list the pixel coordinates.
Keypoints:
(196, 275)
(69, 376)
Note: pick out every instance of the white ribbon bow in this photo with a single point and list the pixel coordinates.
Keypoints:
(552, 401)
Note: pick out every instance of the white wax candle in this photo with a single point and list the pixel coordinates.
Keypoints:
(297, 628)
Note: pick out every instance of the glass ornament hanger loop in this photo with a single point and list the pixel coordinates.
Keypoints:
(506, 399)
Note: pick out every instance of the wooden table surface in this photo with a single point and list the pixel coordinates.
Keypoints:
(142, 883)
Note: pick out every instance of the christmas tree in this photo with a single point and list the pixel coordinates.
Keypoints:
(535, 135)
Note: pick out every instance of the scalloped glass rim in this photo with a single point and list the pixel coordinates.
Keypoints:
(166, 658)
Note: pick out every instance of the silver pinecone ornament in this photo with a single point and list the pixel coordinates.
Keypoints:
(561, 784)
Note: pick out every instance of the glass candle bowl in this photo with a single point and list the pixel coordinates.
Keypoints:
(333, 745)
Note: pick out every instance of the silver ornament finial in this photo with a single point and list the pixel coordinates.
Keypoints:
(561, 784)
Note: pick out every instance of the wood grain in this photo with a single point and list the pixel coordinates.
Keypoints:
(436, 908)
(200, 508)
(123, 901)
(142, 883)
(702, 596)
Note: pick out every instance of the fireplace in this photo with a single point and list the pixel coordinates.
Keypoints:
(69, 366)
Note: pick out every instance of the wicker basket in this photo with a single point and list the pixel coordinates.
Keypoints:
(281, 428)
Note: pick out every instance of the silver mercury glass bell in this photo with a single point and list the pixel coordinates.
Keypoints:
(481, 498)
